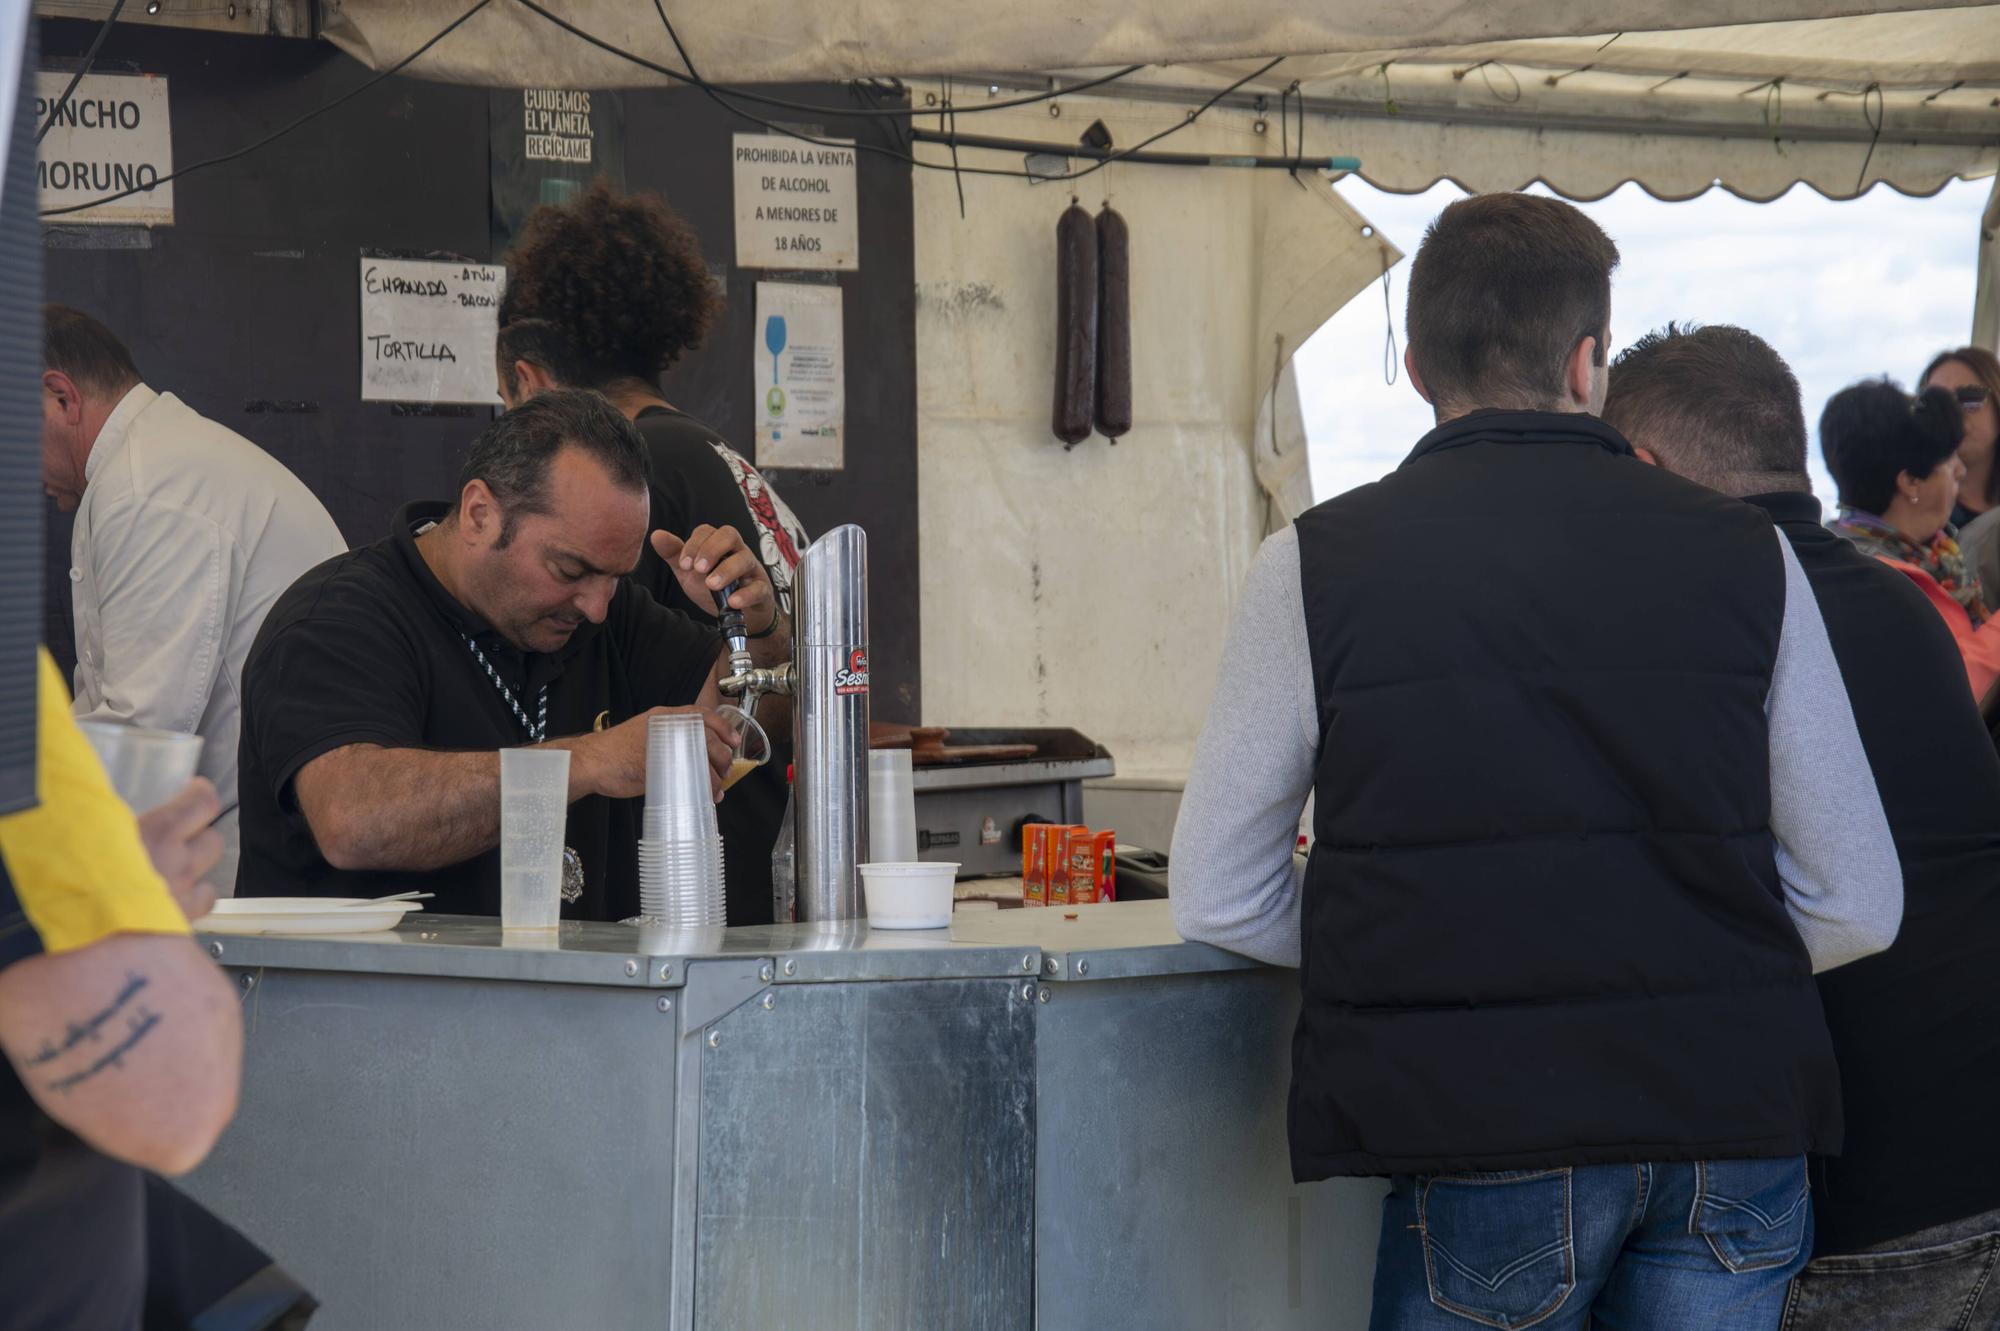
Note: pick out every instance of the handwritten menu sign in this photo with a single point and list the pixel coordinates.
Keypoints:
(112, 136)
(427, 329)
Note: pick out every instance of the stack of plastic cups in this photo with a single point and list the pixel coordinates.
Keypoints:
(680, 850)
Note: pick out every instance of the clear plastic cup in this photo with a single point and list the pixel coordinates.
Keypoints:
(534, 814)
(677, 761)
(750, 750)
(892, 806)
(147, 767)
(679, 822)
(681, 881)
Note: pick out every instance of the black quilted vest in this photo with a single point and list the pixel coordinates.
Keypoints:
(1542, 922)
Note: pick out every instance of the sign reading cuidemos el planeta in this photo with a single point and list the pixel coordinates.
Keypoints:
(794, 203)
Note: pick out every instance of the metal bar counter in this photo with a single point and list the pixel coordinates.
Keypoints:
(1043, 1118)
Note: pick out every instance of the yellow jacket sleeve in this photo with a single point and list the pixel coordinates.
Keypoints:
(79, 869)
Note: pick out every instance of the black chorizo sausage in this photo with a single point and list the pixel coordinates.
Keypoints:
(1114, 325)
(1076, 325)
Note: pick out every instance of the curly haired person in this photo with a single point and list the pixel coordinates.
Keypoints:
(608, 292)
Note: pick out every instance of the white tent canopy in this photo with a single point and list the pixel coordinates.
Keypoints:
(1681, 96)
(745, 41)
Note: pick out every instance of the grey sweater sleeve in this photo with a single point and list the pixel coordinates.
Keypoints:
(1843, 884)
(1235, 879)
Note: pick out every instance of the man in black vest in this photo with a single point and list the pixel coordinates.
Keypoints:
(1907, 1219)
(1590, 810)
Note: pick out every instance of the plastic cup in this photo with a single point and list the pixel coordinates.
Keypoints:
(679, 822)
(892, 806)
(147, 767)
(909, 896)
(681, 882)
(677, 761)
(752, 748)
(534, 813)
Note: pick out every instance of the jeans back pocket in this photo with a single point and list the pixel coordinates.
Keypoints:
(1498, 1248)
(1753, 1213)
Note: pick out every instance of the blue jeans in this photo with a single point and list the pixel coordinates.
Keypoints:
(1937, 1279)
(1665, 1247)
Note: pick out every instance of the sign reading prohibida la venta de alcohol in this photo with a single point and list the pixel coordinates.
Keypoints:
(794, 203)
(112, 135)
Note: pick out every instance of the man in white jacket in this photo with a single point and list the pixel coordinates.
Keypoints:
(185, 534)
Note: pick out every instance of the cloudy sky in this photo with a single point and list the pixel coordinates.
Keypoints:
(1871, 286)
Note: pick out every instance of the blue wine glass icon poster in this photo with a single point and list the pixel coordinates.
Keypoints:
(774, 341)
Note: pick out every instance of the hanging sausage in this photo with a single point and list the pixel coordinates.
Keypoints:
(1114, 325)
(1076, 325)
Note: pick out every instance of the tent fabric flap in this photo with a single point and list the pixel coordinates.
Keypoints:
(746, 41)
(1314, 253)
(1422, 91)
(1986, 302)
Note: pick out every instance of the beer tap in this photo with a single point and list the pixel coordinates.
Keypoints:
(746, 681)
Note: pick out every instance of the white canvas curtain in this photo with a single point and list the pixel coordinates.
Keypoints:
(748, 41)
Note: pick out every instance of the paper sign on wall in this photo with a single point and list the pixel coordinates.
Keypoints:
(794, 203)
(427, 330)
(801, 376)
(545, 145)
(112, 135)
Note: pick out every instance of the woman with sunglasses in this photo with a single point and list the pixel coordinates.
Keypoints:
(1972, 376)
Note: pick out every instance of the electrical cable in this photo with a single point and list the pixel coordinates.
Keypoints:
(89, 59)
(1192, 116)
(1875, 123)
(283, 130)
(720, 99)
(906, 155)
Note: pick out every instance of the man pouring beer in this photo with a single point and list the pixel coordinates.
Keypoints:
(385, 682)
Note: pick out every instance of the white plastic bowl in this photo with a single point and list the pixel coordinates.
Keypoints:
(908, 896)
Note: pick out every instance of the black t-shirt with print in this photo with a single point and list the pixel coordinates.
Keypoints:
(698, 479)
(369, 648)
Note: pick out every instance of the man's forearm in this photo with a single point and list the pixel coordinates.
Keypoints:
(134, 1043)
(417, 809)
(409, 809)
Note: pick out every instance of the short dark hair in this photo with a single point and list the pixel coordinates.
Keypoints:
(1872, 432)
(1715, 404)
(85, 350)
(513, 455)
(622, 275)
(538, 342)
(1502, 289)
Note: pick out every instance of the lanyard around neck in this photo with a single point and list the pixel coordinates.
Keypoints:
(536, 730)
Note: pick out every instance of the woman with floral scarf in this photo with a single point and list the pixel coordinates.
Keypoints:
(1895, 459)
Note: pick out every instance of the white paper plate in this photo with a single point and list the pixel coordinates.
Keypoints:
(303, 915)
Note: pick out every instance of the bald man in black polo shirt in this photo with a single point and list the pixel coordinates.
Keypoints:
(385, 682)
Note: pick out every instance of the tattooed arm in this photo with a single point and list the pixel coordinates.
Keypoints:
(134, 1043)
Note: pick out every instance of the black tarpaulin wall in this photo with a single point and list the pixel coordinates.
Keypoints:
(247, 306)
